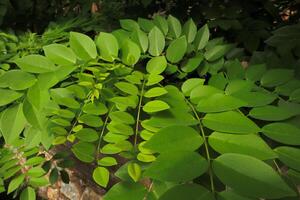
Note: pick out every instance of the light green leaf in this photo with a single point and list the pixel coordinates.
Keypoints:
(91, 120)
(120, 128)
(146, 158)
(141, 39)
(126, 191)
(282, 132)
(127, 88)
(84, 151)
(156, 42)
(177, 166)
(145, 24)
(15, 183)
(110, 149)
(35, 64)
(83, 46)
(203, 91)
(174, 27)
(129, 24)
(130, 52)
(121, 117)
(95, 108)
(28, 194)
(290, 156)
(107, 161)
(176, 49)
(190, 84)
(217, 52)
(154, 79)
(155, 92)
(60, 54)
(8, 96)
(275, 77)
(173, 138)
(192, 63)
(12, 123)
(38, 182)
(156, 65)
(101, 176)
(155, 106)
(161, 23)
(17, 80)
(219, 103)
(124, 101)
(187, 191)
(108, 46)
(134, 171)
(250, 144)
(87, 135)
(238, 86)
(201, 38)
(121, 35)
(190, 30)
(250, 176)
(270, 113)
(230, 122)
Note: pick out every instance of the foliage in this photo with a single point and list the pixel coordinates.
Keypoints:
(176, 105)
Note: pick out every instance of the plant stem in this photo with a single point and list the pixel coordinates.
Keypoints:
(206, 148)
(138, 114)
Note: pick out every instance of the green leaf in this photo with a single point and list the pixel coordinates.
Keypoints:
(8, 96)
(124, 101)
(177, 166)
(91, 120)
(250, 144)
(155, 92)
(230, 195)
(154, 79)
(145, 24)
(53, 177)
(255, 99)
(191, 84)
(156, 65)
(288, 88)
(270, 113)
(108, 46)
(87, 135)
(126, 191)
(230, 122)
(60, 54)
(237, 86)
(176, 49)
(17, 80)
(295, 96)
(101, 176)
(174, 27)
(107, 161)
(129, 24)
(275, 77)
(15, 183)
(110, 149)
(84, 151)
(12, 123)
(134, 171)
(130, 52)
(217, 52)
(290, 156)
(28, 194)
(95, 108)
(202, 37)
(192, 64)
(203, 91)
(155, 106)
(187, 191)
(283, 132)
(190, 30)
(141, 39)
(156, 42)
(83, 46)
(173, 138)
(250, 176)
(255, 72)
(219, 103)
(121, 117)
(146, 158)
(38, 182)
(161, 23)
(120, 128)
(127, 88)
(35, 64)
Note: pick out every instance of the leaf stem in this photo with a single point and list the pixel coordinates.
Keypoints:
(206, 148)
(138, 114)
